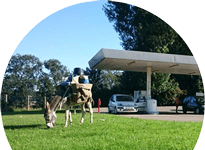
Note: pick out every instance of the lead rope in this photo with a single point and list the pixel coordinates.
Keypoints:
(65, 92)
(62, 97)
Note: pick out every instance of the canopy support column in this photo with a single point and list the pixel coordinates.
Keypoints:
(151, 104)
(149, 73)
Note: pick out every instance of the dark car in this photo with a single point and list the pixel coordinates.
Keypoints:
(190, 103)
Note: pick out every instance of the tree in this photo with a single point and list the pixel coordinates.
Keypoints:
(95, 77)
(56, 71)
(140, 30)
(21, 78)
(105, 84)
(179, 47)
(110, 79)
(132, 81)
(164, 89)
(25, 76)
(46, 88)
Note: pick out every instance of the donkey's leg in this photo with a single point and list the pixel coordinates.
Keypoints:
(70, 118)
(83, 113)
(60, 105)
(67, 114)
(66, 117)
(89, 104)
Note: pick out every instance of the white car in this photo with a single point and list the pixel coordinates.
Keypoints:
(122, 103)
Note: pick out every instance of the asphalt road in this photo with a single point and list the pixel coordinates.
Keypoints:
(165, 113)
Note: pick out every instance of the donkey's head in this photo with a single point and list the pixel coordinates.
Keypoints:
(50, 116)
(50, 109)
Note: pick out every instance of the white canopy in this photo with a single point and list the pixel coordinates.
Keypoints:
(139, 61)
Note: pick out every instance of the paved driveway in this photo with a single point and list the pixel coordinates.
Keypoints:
(165, 113)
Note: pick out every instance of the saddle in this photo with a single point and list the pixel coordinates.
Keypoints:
(78, 91)
(81, 93)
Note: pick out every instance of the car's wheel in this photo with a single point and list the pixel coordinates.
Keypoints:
(197, 111)
(109, 111)
(115, 110)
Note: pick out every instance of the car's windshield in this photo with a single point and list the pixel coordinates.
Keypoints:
(124, 98)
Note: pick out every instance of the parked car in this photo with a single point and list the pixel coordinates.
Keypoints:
(122, 103)
(190, 103)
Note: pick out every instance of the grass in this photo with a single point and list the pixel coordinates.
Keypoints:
(28, 131)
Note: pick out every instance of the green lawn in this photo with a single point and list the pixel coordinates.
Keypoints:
(28, 131)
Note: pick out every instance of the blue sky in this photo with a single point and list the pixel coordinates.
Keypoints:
(72, 35)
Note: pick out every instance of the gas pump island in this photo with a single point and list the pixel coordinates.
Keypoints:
(107, 59)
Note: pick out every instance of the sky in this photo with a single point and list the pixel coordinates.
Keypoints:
(72, 35)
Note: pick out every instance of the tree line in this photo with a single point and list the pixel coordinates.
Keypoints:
(27, 75)
(138, 30)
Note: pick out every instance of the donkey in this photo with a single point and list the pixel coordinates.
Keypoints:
(79, 94)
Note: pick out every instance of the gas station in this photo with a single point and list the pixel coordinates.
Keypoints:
(109, 59)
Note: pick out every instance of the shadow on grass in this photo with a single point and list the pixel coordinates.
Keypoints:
(171, 112)
(26, 112)
(139, 113)
(21, 126)
(23, 112)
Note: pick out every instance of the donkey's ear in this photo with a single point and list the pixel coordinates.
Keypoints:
(48, 106)
(45, 104)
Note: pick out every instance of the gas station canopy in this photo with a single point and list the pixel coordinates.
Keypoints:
(145, 62)
(139, 61)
